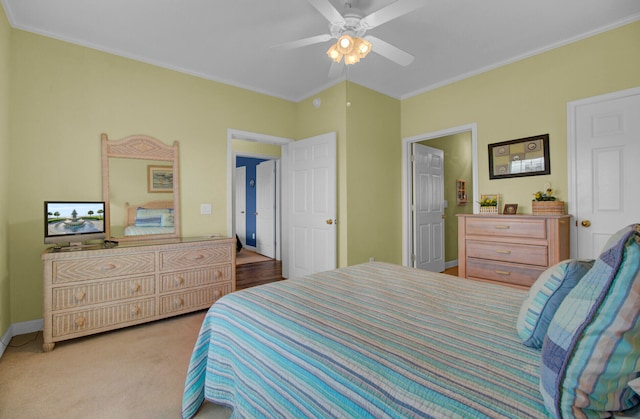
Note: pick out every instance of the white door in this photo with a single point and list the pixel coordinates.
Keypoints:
(312, 205)
(241, 203)
(265, 208)
(428, 208)
(607, 151)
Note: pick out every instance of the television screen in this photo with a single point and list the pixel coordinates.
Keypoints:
(73, 221)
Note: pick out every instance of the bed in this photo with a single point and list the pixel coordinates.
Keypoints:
(380, 340)
(371, 340)
(153, 217)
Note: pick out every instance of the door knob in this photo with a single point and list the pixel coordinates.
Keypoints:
(329, 221)
(586, 223)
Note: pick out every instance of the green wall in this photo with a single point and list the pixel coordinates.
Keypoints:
(526, 98)
(5, 134)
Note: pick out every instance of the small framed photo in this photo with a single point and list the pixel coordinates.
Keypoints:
(160, 179)
(510, 209)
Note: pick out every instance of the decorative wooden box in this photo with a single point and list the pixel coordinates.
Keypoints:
(547, 207)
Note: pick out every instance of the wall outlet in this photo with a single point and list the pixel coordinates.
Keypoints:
(371, 259)
(205, 209)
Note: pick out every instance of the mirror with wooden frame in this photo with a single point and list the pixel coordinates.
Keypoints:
(141, 188)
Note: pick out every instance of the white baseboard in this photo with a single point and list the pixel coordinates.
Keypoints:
(451, 264)
(20, 329)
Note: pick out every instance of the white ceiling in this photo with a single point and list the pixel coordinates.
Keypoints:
(231, 42)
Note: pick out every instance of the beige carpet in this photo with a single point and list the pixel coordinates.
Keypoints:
(247, 256)
(137, 372)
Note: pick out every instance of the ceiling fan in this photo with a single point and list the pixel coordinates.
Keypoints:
(349, 29)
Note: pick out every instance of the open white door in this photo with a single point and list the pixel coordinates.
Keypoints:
(607, 152)
(428, 208)
(266, 208)
(241, 203)
(312, 205)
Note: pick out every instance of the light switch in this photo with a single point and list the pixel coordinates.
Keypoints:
(205, 209)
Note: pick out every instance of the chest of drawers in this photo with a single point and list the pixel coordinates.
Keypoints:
(510, 249)
(92, 291)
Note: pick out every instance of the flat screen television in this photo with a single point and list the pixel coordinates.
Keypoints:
(73, 222)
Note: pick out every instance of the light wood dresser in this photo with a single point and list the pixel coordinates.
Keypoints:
(94, 290)
(510, 249)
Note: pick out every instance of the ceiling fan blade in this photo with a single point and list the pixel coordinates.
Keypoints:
(389, 51)
(392, 11)
(328, 11)
(304, 42)
(335, 70)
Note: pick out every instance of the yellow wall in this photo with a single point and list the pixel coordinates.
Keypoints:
(528, 98)
(64, 96)
(373, 176)
(5, 134)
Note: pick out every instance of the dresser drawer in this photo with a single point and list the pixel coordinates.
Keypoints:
(197, 298)
(104, 317)
(194, 278)
(102, 292)
(107, 267)
(508, 252)
(503, 272)
(506, 227)
(193, 258)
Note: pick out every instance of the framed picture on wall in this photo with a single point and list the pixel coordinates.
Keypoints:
(522, 157)
(160, 179)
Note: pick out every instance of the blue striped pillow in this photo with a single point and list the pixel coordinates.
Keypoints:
(150, 217)
(592, 347)
(544, 298)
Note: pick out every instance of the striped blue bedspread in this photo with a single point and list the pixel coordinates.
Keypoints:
(372, 340)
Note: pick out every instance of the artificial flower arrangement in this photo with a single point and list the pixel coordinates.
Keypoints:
(544, 196)
(489, 204)
(488, 201)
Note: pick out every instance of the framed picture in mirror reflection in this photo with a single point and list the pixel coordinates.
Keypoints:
(160, 179)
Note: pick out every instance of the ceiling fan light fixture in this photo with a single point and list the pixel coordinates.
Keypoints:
(345, 44)
(334, 54)
(362, 46)
(352, 58)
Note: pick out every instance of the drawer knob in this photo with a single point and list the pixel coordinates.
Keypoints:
(135, 310)
(179, 281)
(199, 257)
(80, 321)
(217, 274)
(108, 267)
(135, 287)
(503, 272)
(216, 294)
(179, 302)
(80, 295)
(502, 227)
(504, 252)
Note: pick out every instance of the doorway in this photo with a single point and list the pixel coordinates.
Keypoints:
(244, 143)
(408, 250)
